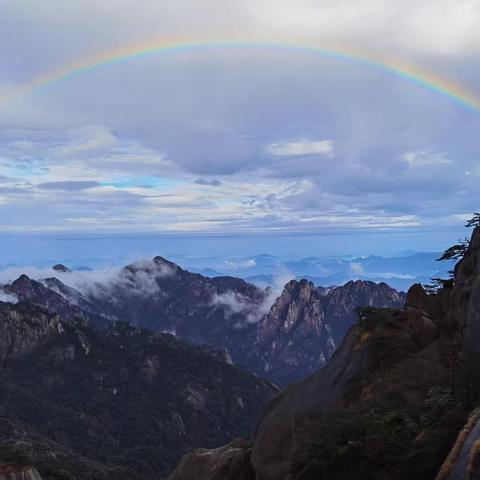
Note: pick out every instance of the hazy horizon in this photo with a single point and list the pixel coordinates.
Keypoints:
(117, 248)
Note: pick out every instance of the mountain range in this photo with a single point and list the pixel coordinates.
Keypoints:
(400, 271)
(282, 338)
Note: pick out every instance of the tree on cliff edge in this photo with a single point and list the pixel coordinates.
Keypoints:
(455, 252)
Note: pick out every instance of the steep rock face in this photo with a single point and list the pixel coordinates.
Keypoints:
(463, 461)
(295, 337)
(305, 325)
(393, 397)
(464, 307)
(299, 306)
(24, 328)
(127, 403)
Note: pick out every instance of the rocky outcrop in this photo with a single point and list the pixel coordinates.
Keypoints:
(306, 324)
(24, 328)
(121, 400)
(295, 337)
(59, 267)
(462, 461)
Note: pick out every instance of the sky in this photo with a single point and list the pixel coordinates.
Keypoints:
(247, 136)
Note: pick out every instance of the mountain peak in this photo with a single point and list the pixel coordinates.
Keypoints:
(22, 279)
(23, 285)
(161, 261)
(59, 267)
(29, 290)
(299, 287)
(158, 266)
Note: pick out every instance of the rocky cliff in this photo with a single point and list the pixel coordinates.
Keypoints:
(306, 324)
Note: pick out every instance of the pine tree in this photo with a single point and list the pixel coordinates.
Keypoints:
(455, 251)
(474, 221)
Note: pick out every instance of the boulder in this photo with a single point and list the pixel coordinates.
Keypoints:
(230, 462)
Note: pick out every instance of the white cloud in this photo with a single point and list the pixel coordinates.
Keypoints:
(88, 153)
(236, 303)
(300, 148)
(445, 27)
(141, 280)
(8, 297)
(421, 158)
(237, 264)
(357, 269)
(89, 140)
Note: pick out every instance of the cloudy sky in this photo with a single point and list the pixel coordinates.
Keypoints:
(237, 139)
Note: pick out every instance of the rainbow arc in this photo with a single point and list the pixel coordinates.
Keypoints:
(410, 73)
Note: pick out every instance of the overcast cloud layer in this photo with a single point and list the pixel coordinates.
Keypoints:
(237, 140)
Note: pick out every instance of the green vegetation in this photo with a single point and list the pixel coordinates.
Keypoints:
(455, 252)
(369, 445)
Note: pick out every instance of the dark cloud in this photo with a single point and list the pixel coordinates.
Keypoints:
(209, 182)
(68, 185)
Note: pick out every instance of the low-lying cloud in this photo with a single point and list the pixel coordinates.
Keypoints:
(8, 297)
(235, 303)
(253, 312)
(140, 279)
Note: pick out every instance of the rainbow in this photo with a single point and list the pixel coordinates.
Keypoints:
(429, 81)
